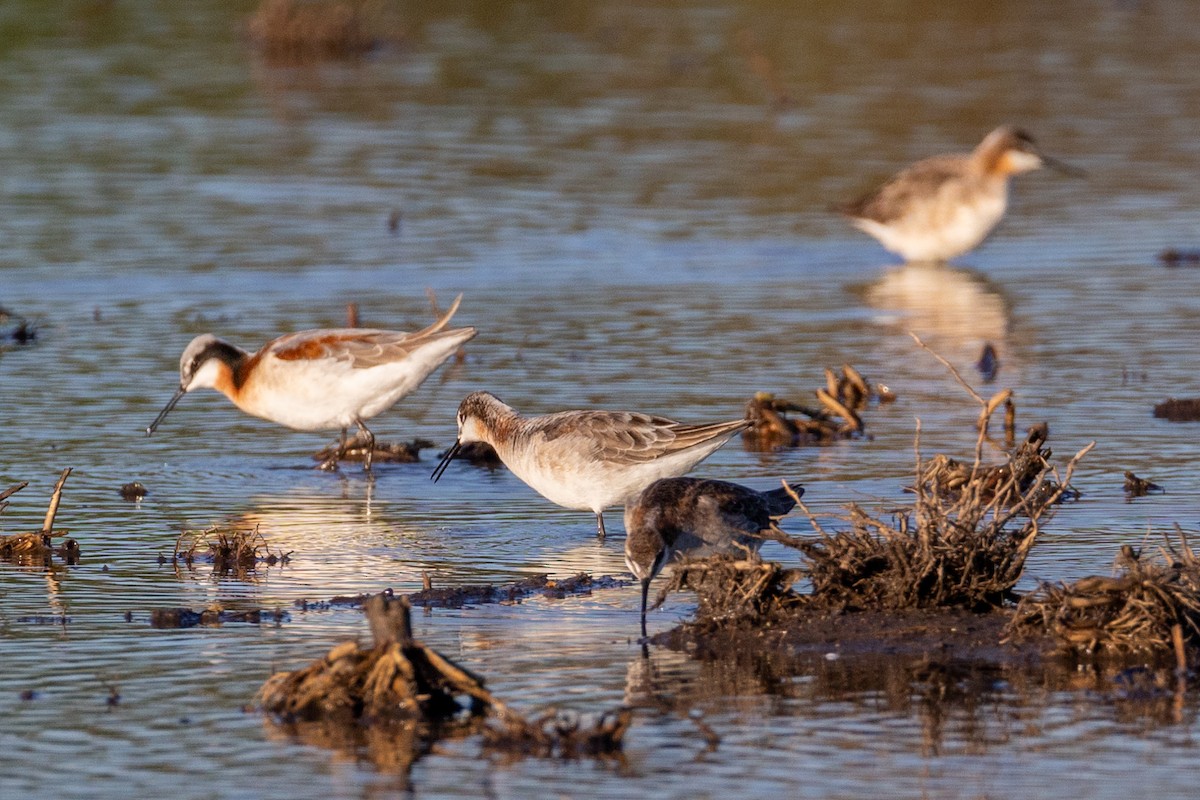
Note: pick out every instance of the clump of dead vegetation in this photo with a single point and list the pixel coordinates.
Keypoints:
(964, 540)
(307, 31)
(962, 543)
(1006, 483)
(232, 551)
(837, 416)
(730, 589)
(400, 682)
(38, 547)
(1151, 605)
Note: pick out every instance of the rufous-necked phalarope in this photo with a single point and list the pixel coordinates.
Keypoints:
(695, 518)
(586, 460)
(943, 206)
(319, 379)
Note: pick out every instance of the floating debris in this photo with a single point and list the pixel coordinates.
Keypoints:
(1174, 410)
(1140, 610)
(38, 547)
(400, 682)
(15, 328)
(480, 594)
(182, 617)
(231, 551)
(459, 596)
(133, 491)
(1140, 487)
(841, 400)
(1173, 257)
(383, 453)
(988, 364)
(308, 31)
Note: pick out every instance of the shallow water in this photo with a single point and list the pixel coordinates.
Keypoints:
(630, 197)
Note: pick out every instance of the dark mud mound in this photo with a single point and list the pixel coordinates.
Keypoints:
(946, 667)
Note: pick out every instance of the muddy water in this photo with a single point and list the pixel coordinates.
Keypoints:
(630, 198)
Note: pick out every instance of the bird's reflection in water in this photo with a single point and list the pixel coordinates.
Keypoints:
(957, 311)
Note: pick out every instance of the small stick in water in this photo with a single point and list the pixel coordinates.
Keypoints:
(48, 524)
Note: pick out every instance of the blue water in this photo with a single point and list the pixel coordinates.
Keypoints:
(634, 214)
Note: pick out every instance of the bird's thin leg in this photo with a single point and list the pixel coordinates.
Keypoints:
(600, 525)
(370, 444)
(331, 464)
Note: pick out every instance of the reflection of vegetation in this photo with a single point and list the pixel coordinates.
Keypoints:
(901, 665)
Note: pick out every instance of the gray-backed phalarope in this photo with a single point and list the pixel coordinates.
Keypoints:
(319, 379)
(943, 206)
(695, 518)
(586, 460)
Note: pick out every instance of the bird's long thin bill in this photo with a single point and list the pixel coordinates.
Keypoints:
(446, 459)
(162, 414)
(1063, 167)
(645, 596)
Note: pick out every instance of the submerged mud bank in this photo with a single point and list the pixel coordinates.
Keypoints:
(805, 637)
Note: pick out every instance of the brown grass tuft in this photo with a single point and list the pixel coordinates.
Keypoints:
(962, 543)
(1136, 611)
(836, 416)
(730, 589)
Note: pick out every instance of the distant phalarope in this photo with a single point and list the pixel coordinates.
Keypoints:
(586, 460)
(319, 379)
(941, 207)
(696, 518)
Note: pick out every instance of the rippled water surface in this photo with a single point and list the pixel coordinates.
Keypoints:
(631, 198)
